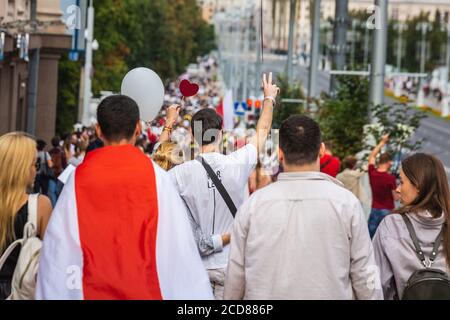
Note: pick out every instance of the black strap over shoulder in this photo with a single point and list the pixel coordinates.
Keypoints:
(419, 252)
(323, 166)
(223, 192)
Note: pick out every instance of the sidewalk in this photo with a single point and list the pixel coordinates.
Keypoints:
(432, 105)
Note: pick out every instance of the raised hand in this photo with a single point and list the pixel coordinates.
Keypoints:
(172, 114)
(270, 89)
(385, 138)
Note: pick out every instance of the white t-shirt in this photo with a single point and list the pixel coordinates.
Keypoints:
(205, 202)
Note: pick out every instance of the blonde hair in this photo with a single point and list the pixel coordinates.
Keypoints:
(166, 155)
(17, 153)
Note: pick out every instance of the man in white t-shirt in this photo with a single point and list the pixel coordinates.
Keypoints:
(210, 216)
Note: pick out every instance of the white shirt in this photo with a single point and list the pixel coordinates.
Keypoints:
(303, 237)
(205, 202)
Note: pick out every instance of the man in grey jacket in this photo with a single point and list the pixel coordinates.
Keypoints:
(303, 237)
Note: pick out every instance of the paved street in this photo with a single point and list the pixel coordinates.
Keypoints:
(435, 134)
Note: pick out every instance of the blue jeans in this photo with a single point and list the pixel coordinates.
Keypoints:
(54, 190)
(375, 218)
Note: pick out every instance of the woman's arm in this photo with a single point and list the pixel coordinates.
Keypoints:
(171, 119)
(44, 213)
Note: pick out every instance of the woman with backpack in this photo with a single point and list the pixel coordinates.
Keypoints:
(412, 245)
(18, 160)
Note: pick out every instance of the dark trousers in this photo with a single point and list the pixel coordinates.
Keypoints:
(376, 216)
(41, 184)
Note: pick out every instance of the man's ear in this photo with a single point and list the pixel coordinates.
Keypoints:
(138, 129)
(280, 155)
(322, 150)
(98, 131)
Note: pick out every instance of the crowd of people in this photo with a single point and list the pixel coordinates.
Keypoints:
(180, 209)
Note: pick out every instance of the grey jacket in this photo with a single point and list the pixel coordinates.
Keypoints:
(303, 237)
(395, 254)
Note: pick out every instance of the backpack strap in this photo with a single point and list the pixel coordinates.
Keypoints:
(323, 166)
(32, 216)
(30, 228)
(419, 252)
(437, 244)
(223, 192)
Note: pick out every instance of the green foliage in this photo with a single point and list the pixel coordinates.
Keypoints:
(68, 90)
(288, 91)
(164, 35)
(342, 118)
(400, 121)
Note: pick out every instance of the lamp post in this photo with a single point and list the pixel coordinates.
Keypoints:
(445, 98)
(314, 53)
(292, 14)
(33, 75)
(378, 67)
(366, 46)
(400, 27)
(423, 27)
(87, 90)
(325, 26)
(355, 23)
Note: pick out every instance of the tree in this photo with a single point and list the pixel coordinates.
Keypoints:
(68, 91)
(412, 38)
(343, 117)
(400, 121)
(164, 35)
(288, 91)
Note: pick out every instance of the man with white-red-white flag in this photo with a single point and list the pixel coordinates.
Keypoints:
(120, 230)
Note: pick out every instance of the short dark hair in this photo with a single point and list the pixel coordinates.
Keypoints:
(55, 141)
(350, 162)
(41, 144)
(300, 140)
(209, 119)
(117, 117)
(385, 158)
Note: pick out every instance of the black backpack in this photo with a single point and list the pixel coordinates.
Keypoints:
(427, 283)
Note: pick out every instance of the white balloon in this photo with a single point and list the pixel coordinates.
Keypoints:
(146, 88)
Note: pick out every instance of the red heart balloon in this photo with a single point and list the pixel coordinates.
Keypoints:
(188, 89)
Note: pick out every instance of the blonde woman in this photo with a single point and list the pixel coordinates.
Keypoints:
(18, 159)
(166, 156)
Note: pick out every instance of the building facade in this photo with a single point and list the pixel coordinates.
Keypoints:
(42, 50)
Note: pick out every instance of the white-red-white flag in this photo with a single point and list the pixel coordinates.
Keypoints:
(120, 231)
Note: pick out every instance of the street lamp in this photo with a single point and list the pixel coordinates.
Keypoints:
(445, 99)
(87, 89)
(326, 26)
(247, 25)
(366, 45)
(292, 14)
(424, 27)
(355, 23)
(400, 27)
